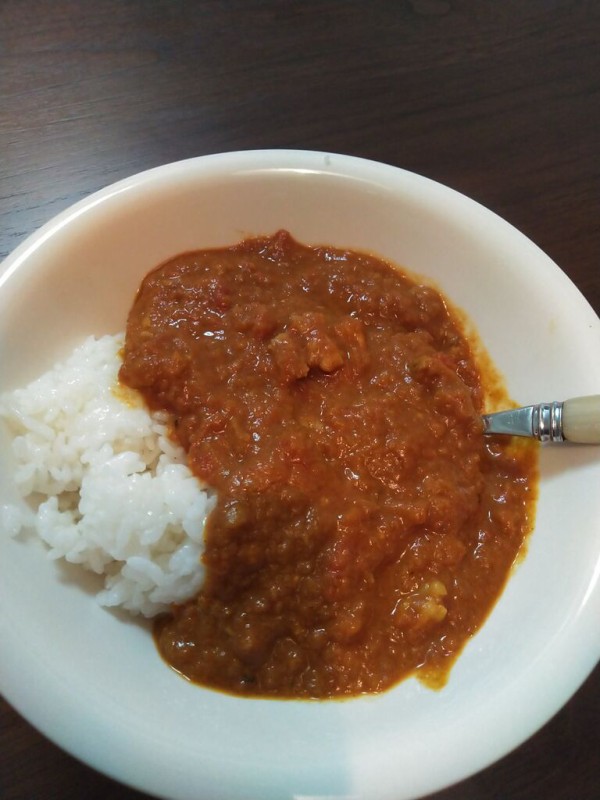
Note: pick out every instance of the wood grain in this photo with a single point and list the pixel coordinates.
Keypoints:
(500, 100)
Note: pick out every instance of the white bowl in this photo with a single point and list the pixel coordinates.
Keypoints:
(94, 683)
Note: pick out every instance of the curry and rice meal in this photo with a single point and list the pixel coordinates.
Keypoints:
(289, 472)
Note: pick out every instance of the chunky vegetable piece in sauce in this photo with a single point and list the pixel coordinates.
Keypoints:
(363, 525)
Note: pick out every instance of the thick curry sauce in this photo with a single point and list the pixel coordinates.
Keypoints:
(363, 525)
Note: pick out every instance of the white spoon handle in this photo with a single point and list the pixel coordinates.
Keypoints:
(581, 419)
(576, 420)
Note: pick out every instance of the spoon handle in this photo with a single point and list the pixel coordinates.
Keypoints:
(575, 420)
(581, 419)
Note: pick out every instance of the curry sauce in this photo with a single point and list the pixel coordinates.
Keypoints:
(363, 525)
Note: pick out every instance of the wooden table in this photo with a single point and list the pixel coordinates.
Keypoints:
(499, 100)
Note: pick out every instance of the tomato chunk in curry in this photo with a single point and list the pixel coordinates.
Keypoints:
(363, 525)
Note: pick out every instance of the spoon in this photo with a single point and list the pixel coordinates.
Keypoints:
(575, 420)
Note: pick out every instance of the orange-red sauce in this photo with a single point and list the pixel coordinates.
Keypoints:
(364, 526)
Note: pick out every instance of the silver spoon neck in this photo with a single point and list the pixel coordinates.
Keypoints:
(543, 421)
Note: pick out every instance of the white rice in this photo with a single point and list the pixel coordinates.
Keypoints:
(106, 486)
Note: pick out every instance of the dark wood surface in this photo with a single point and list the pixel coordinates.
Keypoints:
(499, 99)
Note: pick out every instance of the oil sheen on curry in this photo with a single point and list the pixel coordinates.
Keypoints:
(363, 525)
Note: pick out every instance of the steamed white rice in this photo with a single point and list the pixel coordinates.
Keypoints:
(105, 486)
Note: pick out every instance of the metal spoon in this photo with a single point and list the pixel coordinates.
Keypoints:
(575, 420)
